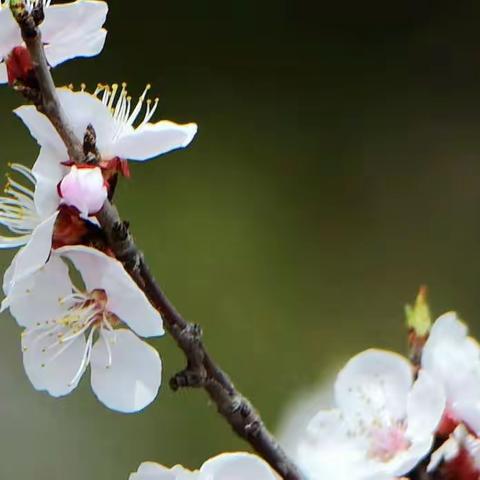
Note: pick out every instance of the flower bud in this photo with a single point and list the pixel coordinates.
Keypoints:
(419, 318)
(84, 188)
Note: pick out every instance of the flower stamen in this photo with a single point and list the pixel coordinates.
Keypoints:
(17, 209)
(120, 105)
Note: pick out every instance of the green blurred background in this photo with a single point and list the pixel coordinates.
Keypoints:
(335, 170)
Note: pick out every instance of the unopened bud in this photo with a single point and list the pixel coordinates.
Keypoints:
(419, 318)
(84, 188)
(18, 9)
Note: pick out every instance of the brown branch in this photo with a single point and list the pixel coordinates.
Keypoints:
(201, 371)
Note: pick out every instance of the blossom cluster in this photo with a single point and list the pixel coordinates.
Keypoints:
(77, 305)
(51, 216)
(393, 417)
(80, 310)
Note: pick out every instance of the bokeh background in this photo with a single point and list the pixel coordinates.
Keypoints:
(336, 169)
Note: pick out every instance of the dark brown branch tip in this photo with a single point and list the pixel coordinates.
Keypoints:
(28, 25)
(92, 155)
(38, 14)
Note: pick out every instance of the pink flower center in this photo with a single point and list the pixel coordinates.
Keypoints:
(385, 443)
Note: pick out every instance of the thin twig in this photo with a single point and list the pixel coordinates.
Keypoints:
(202, 371)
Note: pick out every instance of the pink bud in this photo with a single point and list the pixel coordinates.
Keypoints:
(84, 188)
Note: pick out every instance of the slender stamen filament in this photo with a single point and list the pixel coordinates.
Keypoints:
(86, 357)
(17, 209)
(84, 315)
(108, 347)
(120, 105)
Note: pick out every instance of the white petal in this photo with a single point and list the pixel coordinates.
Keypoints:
(468, 410)
(125, 299)
(10, 36)
(132, 379)
(48, 171)
(76, 47)
(42, 130)
(74, 30)
(35, 254)
(47, 370)
(403, 462)
(449, 449)
(374, 384)
(453, 360)
(425, 407)
(83, 109)
(237, 466)
(151, 140)
(448, 332)
(155, 471)
(3, 72)
(329, 451)
(8, 276)
(36, 297)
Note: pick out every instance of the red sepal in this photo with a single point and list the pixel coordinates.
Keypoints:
(462, 467)
(19, 66)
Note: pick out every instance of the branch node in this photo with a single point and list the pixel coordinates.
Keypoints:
(188, 379)
(253, 429)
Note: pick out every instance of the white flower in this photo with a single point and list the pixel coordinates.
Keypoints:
(85, 189)
(113, 117)
(31, 221)
(69, 30)
(227, 466)
(452, 359)
(383, 426)
(67, 329)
